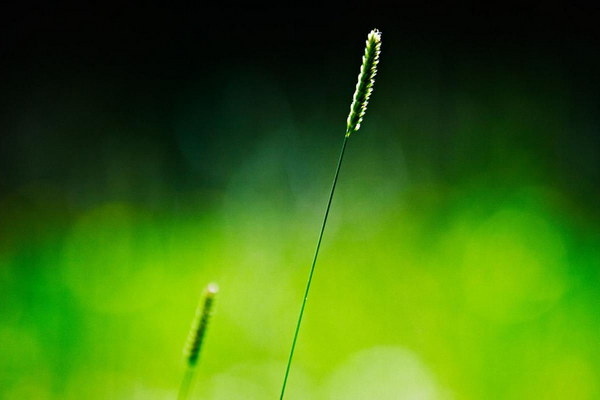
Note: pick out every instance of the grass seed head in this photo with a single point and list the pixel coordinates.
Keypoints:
(366, 79)
(200, 324)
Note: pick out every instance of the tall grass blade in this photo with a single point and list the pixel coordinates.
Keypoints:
(360, 100)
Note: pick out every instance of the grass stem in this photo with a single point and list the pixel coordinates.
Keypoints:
(186, 383)
(360, 100)
(312, 268)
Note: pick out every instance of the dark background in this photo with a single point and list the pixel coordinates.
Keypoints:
(104, 67)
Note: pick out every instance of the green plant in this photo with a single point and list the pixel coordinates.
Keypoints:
(362, 93)
(195, 339)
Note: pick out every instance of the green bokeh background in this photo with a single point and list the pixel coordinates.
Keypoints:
(142, 160)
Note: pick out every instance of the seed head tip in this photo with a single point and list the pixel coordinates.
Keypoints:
(374, 35)
(212, 289)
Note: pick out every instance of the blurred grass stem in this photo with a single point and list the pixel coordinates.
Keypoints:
(186, 383)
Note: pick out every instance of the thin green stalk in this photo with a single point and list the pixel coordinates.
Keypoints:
(186, 383)
(195, 339)
(312, 268)
(363, 91)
